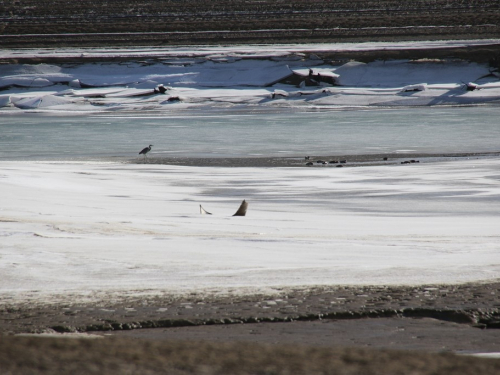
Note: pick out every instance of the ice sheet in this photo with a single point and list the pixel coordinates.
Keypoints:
(224, 77)
(79, 228)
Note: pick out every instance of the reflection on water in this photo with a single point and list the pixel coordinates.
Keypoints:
(427, 130)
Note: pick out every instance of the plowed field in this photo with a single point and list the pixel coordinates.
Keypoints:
(170, 22)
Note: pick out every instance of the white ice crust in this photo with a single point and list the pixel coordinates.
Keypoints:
(71, 228)
(222, 77)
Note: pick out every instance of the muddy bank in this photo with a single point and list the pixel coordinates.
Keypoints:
(476, 305)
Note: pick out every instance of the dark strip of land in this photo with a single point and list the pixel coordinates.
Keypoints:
(473, 304)
(33, 355)
(55, 23)
(317, 161)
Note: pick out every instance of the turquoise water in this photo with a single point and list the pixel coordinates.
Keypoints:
(246, 134)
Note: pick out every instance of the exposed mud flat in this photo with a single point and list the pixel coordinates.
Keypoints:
(317, 161)
(475, 304)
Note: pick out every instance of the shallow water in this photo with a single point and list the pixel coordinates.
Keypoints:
(245, 134)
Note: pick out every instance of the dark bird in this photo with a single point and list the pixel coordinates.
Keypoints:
(242, 211)
(145, 150)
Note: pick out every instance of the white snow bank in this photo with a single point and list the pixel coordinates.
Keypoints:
(390, 83)
(4, 100)
(78, 228)
(28, 82)
(402, 73)
(40, 102)
(211, 74)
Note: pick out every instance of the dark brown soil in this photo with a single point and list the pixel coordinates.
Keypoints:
(29, 355)
(32, 23)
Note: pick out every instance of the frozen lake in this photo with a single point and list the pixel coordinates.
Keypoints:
(243, 133)
(89, 224)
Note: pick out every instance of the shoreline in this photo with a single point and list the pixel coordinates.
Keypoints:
(332, 161)
(358, 160)
(475, 304)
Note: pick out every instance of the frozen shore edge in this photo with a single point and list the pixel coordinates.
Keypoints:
(475, 304)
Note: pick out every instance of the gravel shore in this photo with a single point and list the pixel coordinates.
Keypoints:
(472, 304)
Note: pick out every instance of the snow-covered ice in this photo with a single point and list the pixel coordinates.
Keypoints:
(75, 228)
(240, 76)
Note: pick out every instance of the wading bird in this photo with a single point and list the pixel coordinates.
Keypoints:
(145, 150)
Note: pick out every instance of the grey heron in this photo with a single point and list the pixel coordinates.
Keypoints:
(145, 150)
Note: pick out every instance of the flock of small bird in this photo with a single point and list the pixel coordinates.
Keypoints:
(324, 162)
(340, 162)
(410, 161)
